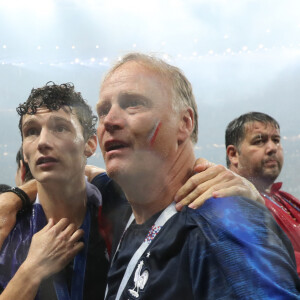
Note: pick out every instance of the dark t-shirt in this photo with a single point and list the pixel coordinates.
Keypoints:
(16, 246)
(230, 248)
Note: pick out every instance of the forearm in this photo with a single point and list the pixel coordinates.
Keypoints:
(10, 204)
(23, 286)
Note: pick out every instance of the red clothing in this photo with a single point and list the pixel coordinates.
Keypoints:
(285, 208)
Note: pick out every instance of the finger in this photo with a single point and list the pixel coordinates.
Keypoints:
(60, 226)
(197, 193)
(77, 248)
(50, 223)
(76, 236)
(243, 191)
(202, 182)
(194, 182)
(67, 232)
(201, 199)
(202, 166)
(215, 188)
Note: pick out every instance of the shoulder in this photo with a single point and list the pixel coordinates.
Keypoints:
(238, 218)
(240, 245)
(112, 195)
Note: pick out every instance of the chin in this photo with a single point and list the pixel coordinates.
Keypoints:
(115, 170)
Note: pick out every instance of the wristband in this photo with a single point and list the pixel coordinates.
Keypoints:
(22, 195)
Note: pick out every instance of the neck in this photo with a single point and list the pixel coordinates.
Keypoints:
(261, 185)
(154, 188)
(64, 201)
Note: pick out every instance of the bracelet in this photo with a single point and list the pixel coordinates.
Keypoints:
(22, 195)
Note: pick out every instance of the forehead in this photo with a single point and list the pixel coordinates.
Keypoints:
(136, 78)
(43, 113)
(254, 128)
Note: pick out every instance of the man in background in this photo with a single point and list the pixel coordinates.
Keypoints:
(254, 150)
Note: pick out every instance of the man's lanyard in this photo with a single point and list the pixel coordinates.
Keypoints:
(60, 284)
(159, 223)
(284, 199)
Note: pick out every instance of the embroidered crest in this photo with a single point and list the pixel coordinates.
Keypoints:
(140, 280)
(152, 233)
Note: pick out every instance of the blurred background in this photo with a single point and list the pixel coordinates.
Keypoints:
(240, 56)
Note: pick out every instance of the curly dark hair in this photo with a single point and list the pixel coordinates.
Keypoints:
(54, 97)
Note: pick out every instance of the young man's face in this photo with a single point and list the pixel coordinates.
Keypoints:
(136, 120)
(53, 145)
(260, 154)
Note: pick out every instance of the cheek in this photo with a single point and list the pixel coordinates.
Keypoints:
(100, 133)
(26, 152)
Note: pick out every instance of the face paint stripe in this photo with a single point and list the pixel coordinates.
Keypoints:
(154, 133)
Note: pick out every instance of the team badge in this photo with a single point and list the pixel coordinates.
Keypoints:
(140, 280)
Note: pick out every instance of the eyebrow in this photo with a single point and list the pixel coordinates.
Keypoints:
(261, 135)
(133, 96)
(34, 120)
(126, 96)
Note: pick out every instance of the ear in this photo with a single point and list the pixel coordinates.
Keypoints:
(186, 125)
(24, 157)
(90, 146)
(233, 155)
(22, 171)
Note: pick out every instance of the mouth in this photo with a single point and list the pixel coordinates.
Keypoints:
(45, 159)
(114, 145)
(271, 162)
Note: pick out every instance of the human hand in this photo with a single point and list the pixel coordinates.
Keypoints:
(92, 171)
(52, 248)
(213, 181)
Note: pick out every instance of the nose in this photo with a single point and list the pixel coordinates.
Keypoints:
(114, 120)
(271, 147)
(44, 141)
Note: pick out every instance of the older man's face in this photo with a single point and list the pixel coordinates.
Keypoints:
(136, 120)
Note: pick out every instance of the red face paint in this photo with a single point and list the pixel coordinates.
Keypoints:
(154, 133)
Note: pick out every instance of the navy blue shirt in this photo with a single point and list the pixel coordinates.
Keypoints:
(230, 248)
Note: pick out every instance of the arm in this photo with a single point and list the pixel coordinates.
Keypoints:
(10, 204)
(92, 171)
(50, 251)
(215, 181)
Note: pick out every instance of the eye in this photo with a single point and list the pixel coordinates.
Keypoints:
(257, 142)
(31, 131)
(103, 110)
(133, 103)
(60, 128)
